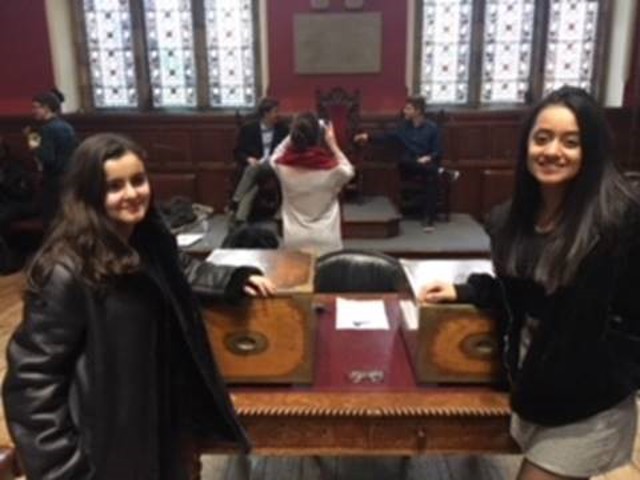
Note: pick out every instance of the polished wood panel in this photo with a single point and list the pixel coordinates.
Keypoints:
(266, 340)
(202, 143)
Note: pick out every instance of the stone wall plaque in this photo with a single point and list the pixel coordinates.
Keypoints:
(337, 43)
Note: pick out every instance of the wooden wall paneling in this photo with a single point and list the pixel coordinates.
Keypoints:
(166, 185)
(621, 124)
(466, 192)
(505, 140)
(497, 187)
(213, 144)
(222, 141)
(201, 144)
(213, 184)
(170, 148)
(471, 143)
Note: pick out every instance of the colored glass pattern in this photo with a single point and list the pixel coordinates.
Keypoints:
(231, 52)
(170, 51)
(445, 50)
(110, 50)
(506, 59)
(571, 42)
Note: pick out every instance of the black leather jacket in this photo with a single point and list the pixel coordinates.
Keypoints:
(583, 357)
(106, 384)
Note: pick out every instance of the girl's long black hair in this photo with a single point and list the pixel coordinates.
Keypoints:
(593, 209)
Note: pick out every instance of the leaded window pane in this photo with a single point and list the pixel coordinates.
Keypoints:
(110, 49)
(506, 59)
(445, 50)
(571, 42)
(230, 53)
(169, 28)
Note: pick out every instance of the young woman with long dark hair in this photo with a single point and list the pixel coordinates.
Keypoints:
(566, 254)
(311, 178)
(110, 374)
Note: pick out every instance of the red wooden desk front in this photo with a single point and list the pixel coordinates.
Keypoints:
(395, 416)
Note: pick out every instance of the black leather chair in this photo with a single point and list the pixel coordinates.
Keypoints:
(358, 271)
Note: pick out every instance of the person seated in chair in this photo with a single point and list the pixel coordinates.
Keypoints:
(421, 152)
(256, 142)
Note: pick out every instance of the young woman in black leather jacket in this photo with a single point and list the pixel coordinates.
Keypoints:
(110, 373)
(566, 254)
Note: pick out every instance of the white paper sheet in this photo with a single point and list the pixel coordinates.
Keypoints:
(361, 315)
(423, 272)
(187, 239)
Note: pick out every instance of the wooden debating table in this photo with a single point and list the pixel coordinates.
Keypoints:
(364, 400)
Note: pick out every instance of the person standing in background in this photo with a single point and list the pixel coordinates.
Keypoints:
(52, 144)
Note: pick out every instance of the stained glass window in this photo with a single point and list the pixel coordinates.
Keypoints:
(170, 50)
(110, 49)
(506, 59)
(445, 50)
(230, 52)
(571, 42)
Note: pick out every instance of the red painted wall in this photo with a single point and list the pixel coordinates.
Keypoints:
(380, 92)
(26, 57)
(24, 53)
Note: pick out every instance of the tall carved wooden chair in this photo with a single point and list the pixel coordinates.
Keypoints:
(342, 109)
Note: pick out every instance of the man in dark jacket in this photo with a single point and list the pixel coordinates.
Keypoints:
(256, 141)
(53, 146)
(421, 152)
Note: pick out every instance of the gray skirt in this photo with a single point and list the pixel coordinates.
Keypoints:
(589, 447)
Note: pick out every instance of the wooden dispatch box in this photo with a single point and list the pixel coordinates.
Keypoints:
(449, 343)
(266, 340)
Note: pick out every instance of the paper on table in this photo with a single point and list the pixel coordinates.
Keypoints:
(422, 272)
(361, 315)
(186, 239)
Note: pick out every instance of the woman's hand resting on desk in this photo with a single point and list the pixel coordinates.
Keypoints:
(259, 286)
(438, 292)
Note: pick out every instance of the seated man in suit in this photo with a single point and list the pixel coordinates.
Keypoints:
(256, 141)
(420, 141)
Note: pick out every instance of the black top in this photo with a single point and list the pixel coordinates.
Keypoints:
(581, 357)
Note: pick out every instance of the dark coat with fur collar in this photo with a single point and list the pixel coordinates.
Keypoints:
(583, 358)
(108, 384)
